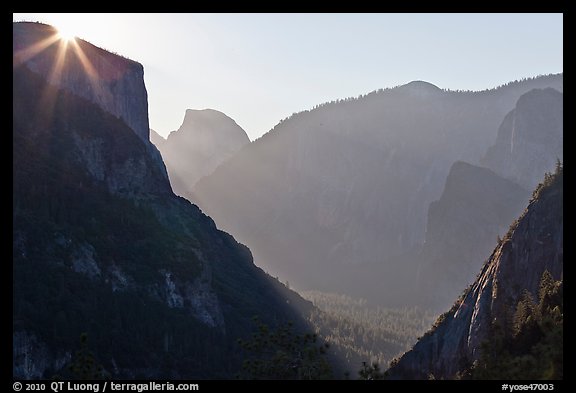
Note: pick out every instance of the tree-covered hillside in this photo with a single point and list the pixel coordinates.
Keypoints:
(358, 332)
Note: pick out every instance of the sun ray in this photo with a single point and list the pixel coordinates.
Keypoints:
(88, 67)
(48, 99)
(68, 54)
(86, 63)
(56, 72)
(25, 54)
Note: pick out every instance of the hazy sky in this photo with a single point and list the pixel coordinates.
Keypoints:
(260, 68)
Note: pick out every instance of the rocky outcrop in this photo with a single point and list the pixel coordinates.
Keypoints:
(530, 139)
(138, 173)
(533, 245)
(475, 208)
(205, 139)
(197, 296)
(32, 357)
(84, 262)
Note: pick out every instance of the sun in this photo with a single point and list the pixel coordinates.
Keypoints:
(65, 34)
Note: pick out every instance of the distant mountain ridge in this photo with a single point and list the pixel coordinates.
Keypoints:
(344, 188)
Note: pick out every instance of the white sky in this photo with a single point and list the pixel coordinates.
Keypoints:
(260, 68)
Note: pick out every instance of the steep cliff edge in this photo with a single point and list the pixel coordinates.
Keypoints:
(533, 245)
(114, 83)
(475, 208)
(530, 139)
(101, 245)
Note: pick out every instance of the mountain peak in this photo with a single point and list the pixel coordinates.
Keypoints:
(209, 121)
(420, 88)
(205, 139)
(204, 113)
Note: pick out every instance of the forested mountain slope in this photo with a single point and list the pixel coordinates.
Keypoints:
(102, 246)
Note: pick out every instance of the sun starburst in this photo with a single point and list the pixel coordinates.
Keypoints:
(65, 34)
(65, 51)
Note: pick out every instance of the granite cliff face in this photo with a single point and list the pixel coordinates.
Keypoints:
(335, 194)
(530, 139)
(102, 245)
(205, 139)
(533, 245)
(475, 208)
(114, 83)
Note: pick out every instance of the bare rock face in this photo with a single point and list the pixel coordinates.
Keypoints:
(197, 297)
(205, 139)
(530, 139)
(113, 82)
(32, 357)
(533, 245)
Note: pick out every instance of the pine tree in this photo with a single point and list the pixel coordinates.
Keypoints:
(370, 372)
(84, 365)
(284, 354)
